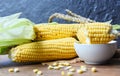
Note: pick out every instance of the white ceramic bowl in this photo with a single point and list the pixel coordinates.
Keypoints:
(95, 53)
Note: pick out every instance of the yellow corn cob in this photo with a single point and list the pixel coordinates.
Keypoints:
(44, 50)
(100, 27)
(95, 33)
(47, 32)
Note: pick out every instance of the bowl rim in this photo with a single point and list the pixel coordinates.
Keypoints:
(109, 43)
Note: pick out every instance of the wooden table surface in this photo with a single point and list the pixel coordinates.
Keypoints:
(112, 68)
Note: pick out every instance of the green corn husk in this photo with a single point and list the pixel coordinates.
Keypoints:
(116, 27)
(15, 31)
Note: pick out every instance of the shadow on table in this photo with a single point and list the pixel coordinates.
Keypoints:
(6, 62)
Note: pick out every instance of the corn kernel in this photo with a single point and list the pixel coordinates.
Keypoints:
(55, 64)
(16, 70)
(39, 73)
(61, 66)
(63, 73)
(67, 68)
(72, 70)
(11, 70)
(79, 71)
(50, 67)
(83, 68)
(35, 70)
(70, 74)
(57, 68)
(93, 69)
(67, 64)
(60, 63)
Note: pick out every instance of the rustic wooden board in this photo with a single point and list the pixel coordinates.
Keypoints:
(110, 69)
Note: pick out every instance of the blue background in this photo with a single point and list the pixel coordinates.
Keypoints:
(39, 10)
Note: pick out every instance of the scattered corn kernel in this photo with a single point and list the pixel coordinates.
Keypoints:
(55, 64)
(50, 67)
(11, 70)
(70, 74)
(62, 63)
(93, 69)
(39, 73)
(63, 73)
(67, 68)
(16, 70)
(35, 70)
(61, 66)
(57, 68)
(72, 70)
(79, 71)
(67, 64)
(83, 68)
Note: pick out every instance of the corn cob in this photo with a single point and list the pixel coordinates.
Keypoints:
(95, 33)
(48, 32)
(44, 50)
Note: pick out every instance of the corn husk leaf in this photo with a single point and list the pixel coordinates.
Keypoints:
(15, 31)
